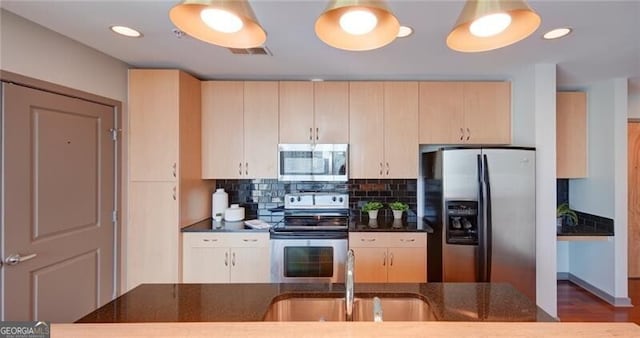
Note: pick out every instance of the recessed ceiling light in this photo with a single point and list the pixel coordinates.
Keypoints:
(404, 31)
(126, 31)
(557, 33)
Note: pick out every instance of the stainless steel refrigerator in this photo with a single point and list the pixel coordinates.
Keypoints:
(481, 204)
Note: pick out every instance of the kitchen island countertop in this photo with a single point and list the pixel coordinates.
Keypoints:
(249, 302)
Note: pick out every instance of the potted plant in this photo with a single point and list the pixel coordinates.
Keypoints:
(563, 211)
(398, 208)
(372, 208)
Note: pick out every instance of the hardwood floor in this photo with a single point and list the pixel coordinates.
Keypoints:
(577, 305)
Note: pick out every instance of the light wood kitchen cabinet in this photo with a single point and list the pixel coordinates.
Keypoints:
(389, 257)
(465, 112)
(166, 191)
(383, 129)
(226, 257)
(239, 129)
(571, 134)
(314, 112)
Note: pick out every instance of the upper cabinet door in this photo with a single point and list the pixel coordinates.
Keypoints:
(153, 129)
(401, 129)
(487, 112)
(261, 129)
(222, 129)
(441, 113)
(571, 134)
(296, 112)
(331, 112)
(366, 127)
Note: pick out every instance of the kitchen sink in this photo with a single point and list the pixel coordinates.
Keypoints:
(307, 309)
(394, 308)
(405, 308)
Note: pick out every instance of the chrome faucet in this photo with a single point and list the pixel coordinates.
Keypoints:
(348, 285)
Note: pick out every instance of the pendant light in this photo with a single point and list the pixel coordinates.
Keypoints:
(357, 25)
(226, 23)
(491, 24)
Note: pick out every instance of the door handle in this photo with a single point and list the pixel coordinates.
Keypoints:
(233, 259)
(226, 259)
(310, 134)
(240, 168)
(317, 134)
(391, 259)
(368, 239)
(407, 240)
(173, 193)
(384, 259)
(250, 240)
(246, 167)
(16, 259)
(461, 134)
(174, 169)
(468, 134)
(387, 168)
(381, 169)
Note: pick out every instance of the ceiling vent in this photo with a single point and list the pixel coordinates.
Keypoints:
(251, 51)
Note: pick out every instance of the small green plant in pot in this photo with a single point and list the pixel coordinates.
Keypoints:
(563, 211)
(372, 208)
(398, 208)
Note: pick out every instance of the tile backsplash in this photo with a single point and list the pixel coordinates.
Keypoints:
(260, 195)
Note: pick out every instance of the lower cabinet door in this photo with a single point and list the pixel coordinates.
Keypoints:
(250, 265)
(407, 265)
(206, 265)
(370, 265)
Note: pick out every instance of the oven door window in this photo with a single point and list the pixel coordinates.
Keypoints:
(304, 261)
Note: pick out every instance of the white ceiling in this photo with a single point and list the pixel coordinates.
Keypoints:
(605, 43)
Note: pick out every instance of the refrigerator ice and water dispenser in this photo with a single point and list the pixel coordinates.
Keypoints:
(462, 222)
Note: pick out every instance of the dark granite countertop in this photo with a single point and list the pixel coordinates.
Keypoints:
(249, 302)
(584, 230)
(362, 223)
(209, 225)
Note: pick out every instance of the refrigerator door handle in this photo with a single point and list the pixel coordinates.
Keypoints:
(480, 272)
(489, 235)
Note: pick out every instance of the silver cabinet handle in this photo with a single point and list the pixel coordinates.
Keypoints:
(226, 259)
(310, 134)
(246, 168)
(317, 134)
(233, 259)
(173, 193)
(367, 239)
(407, 240)
(384, 259)
(387, 168)
(210, 240)
(391, 259)
(174, 169)
(461, 134)
(17, 258)
(468, 134)
(250, 240)
(240, 168)
(381, 169)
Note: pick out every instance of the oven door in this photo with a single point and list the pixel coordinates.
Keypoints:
(307, 260)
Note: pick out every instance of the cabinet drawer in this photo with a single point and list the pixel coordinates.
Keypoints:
(406, 240)
(248, 240)
(203, 240)
(377, 240)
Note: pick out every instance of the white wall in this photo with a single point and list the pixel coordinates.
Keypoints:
(533, 123)
(603, 264)
(32, 50)
(563, 256)
(634, 99)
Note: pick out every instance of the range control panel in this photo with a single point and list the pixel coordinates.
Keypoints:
(315, 200)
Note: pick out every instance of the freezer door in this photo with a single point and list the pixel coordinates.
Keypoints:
(459, 183)
(512, 223)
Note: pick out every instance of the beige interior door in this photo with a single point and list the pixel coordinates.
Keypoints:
(58, 192)
(634, 198)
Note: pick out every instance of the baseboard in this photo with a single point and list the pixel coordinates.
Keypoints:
(615, 301)
(562, 276)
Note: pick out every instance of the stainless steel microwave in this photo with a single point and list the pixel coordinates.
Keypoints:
(313, 162)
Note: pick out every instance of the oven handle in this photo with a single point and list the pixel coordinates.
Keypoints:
(308, 235)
